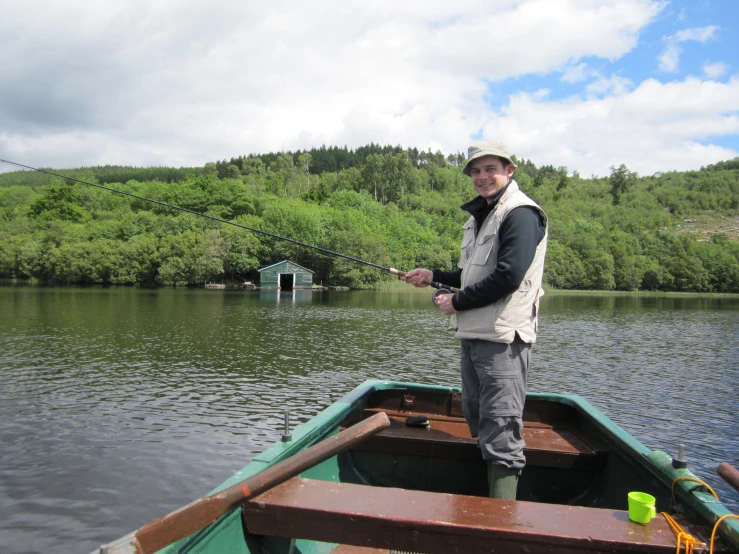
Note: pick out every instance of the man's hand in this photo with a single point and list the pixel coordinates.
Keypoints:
(418, 277)
(444, 301)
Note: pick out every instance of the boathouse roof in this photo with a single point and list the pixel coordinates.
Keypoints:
(284, 262)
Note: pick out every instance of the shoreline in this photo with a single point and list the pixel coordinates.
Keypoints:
(549, 291)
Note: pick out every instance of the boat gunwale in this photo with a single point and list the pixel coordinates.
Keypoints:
(327, 421)
(657, 462)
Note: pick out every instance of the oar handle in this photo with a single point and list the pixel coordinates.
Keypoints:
(187, 520)
(434, 284)
(729, 474)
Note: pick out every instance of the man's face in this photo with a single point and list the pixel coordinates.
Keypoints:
(489, 175)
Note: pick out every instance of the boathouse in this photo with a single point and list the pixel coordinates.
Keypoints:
(285, 275)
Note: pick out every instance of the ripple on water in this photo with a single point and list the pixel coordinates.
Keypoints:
(123, 413)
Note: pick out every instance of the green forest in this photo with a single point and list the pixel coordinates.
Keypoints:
(673, 231)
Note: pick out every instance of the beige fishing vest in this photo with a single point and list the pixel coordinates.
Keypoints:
(517, 312)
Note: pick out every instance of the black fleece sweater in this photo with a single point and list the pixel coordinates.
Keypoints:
(520, 233)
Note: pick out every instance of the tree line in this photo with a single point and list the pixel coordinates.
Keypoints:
(387, 205)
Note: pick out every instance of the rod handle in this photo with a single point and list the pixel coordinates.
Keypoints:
(439, 286)
(434, 284)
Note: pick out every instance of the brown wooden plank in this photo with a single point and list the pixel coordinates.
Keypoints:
(402, 416)
(425, 401)
(434, 402)
(434, 523)
(553, 413)
(559, 440)
(449, 437)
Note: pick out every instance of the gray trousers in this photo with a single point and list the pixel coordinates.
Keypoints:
(493, 395)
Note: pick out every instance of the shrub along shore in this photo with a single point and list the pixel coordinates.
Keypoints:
(674, 231)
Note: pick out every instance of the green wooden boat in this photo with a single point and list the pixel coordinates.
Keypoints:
(411, 489)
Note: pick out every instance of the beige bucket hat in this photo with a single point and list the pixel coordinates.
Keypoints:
(481, 149)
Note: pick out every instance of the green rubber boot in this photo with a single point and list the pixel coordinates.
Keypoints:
(502, 481)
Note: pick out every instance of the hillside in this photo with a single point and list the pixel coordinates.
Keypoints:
(703, 226)
(387, 205)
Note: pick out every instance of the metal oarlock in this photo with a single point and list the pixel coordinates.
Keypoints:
(680, 462)
(286, 436)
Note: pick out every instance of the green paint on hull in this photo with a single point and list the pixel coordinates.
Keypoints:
(630, 466)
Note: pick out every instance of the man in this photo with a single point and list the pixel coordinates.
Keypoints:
(495, 314)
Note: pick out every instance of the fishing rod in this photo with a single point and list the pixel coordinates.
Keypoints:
(390, 270)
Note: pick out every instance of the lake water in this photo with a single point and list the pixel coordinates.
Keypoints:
(118, 405)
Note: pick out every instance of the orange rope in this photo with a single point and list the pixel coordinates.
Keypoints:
(674, 500)
(715, 528)
(682, 535)
(691, 541)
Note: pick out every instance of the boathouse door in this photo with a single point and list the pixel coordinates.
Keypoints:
(287, 281)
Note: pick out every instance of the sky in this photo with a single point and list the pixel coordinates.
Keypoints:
(585, 84)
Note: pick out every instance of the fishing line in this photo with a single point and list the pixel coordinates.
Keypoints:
(391, 270)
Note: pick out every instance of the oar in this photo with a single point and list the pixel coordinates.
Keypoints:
(729, 474)
(183, 522)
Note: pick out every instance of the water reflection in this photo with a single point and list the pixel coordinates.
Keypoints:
(122, 404)
(578, 302)
(295, 296)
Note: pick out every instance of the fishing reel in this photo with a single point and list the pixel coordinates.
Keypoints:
(439, 292)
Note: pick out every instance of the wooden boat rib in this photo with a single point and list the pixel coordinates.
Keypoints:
(409, 489)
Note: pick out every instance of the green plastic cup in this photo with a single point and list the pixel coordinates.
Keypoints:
(641, 507)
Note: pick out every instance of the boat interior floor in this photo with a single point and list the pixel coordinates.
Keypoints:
(392, 516)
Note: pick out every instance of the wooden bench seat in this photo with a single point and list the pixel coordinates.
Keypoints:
(448, 437)
(417, 521)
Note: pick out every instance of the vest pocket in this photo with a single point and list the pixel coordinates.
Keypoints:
(535, 309)
(467, 244)
(525, 286)
(483, 248)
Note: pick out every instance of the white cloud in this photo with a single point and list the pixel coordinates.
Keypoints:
(669, 59)
(715, 70)
(166, 83)
(656, 127)
(614, 84)
(576, 73)
(697, 34)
